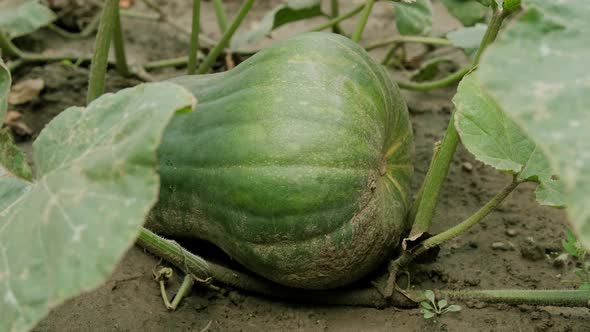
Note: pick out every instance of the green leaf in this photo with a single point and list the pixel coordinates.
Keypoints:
(5, 82)
(19, 18)
(427, 314)
(468, 38)
(467, 12)
(293, 11)
(569, 244)
(430, 296)
(413, 18)
(496, 140)
(442, 304)
(97, 180)
(426, 305)
(453, 308)
(429, 69)
(13, 162)
(537, 71)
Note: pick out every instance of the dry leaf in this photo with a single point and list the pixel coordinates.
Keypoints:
(18, 127)
(25, 91)
(229, 61)
(125, 3)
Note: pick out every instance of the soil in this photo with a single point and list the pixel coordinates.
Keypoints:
(513, 248)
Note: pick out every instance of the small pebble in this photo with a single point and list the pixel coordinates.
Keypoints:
(500, 246)
(467, 166)
(511, 232)
(560, 261)
(471, 281)
(235, 297)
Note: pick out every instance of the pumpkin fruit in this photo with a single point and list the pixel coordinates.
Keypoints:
(297, 163)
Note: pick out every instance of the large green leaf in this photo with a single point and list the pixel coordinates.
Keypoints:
(467, 12)
(65, 232)
(496, 140)
(413, 18)
(21, 17)
(5, 81)
(537, 71)
(468, 38)
(294, 10)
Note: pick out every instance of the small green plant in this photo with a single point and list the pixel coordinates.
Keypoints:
(574, 248)
(431, 308)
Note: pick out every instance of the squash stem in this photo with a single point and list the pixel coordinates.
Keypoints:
(85, 33)
(443, 82)
(409, 255)
(467, 223)
(212, 56)
(8, 47)
(161, 16)
(356, 36)
(408, 39)
(185, 288)
(441, 162)
(332, 22)
(200, 269)
(99, 63)
(119, 45)
(553, 297)
(221, 17)
(335, 12)
(194, 48)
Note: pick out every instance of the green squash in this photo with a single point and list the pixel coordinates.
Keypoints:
(297, 163)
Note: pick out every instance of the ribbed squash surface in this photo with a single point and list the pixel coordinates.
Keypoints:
(296, 163)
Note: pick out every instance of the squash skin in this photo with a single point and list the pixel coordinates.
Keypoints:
(297, 163)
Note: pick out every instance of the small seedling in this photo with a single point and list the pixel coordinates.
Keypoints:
(574, 248)
(431, 308)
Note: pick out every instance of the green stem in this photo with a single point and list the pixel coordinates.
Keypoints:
(553, 297)
(198, 267)
(434, 179)
(101, 50)
(467, 223)
(161, 16)
(221, 17)
(86, 32)
(119, 45)
(409, 255)
(356, 36)
(185, 288)
(490, 34)
(409, 39)
(174, 253)
(441, 162)
(338, 19)
(194, 48)
(443, 82)
(389, 55)
(335, 13)
(212, 56)
(8, 47)
(181, 61)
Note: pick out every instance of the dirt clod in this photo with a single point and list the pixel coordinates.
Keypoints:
(511, 232)
(531, 250)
